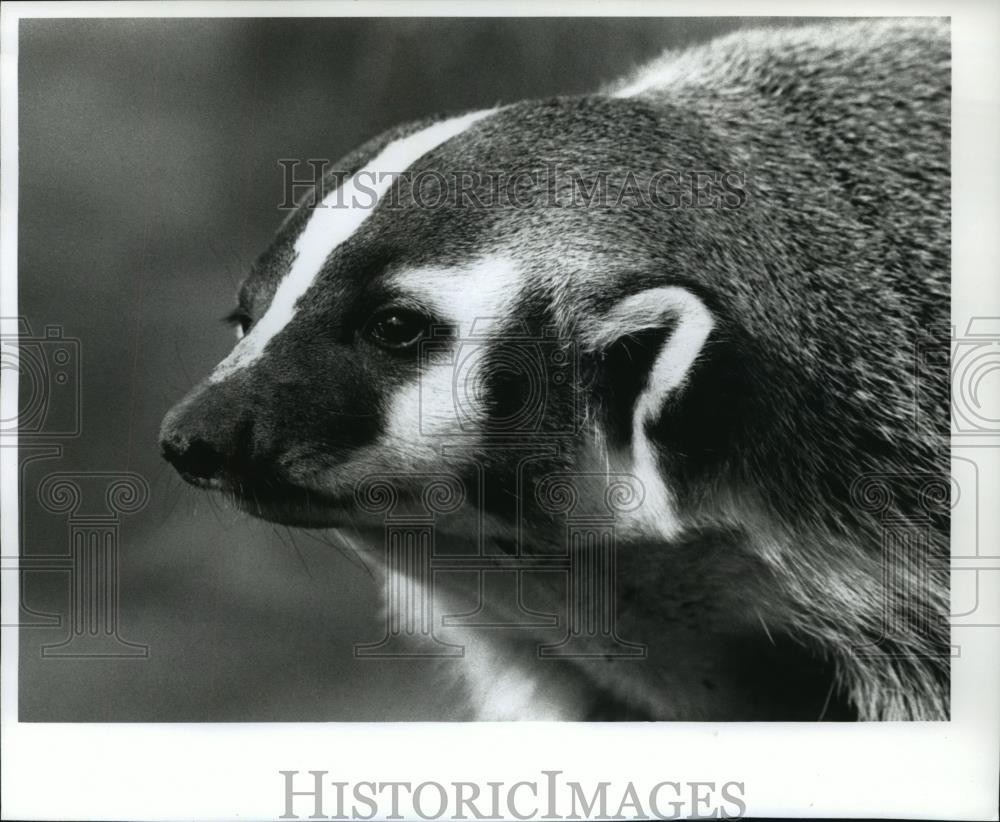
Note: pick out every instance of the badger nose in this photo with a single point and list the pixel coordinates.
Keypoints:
(202, 437)
(194, 457)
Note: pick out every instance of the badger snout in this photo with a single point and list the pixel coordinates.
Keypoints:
(208, 438)
(227, 437)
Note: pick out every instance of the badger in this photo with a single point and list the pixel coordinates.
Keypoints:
(717, 283)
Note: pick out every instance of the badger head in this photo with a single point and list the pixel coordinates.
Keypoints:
(478, 305)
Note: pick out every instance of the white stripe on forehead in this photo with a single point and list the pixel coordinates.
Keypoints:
(330, 226)
(473, 297)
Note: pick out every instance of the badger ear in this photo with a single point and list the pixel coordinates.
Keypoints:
(661, 332)
(649, 344)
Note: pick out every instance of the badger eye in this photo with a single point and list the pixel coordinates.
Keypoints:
(240, 320)
(396, 328)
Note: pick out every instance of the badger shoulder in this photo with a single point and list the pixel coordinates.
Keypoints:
(842, 134)
(867, 101)
(849, 55)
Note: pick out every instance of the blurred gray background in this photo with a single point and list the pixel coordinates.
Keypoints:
(148, 183)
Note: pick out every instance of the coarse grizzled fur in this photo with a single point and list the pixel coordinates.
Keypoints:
(833, 279)
(760, 363)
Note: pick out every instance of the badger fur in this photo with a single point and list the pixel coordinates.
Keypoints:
(752, 359)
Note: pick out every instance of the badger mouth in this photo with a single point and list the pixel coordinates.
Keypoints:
(292, 506)
(278, 501)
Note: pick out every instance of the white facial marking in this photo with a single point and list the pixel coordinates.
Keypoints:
(694, 323)
(443, 399)
(471, 297)
(330, 226)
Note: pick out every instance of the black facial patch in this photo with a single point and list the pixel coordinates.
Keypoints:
(621, 376)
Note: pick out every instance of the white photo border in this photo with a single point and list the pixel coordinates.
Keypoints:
(946, 770)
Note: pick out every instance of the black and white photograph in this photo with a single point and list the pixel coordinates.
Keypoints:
(391, 373)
